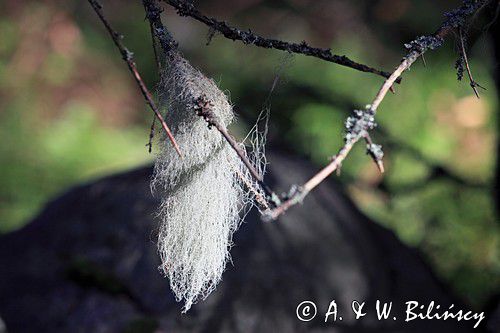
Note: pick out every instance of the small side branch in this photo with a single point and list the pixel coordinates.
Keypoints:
(375, 151)
(248, 37)
(473, 83)
(155, 51)
(128, 58)
(151, 135)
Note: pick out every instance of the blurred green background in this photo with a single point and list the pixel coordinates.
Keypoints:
(70, 112)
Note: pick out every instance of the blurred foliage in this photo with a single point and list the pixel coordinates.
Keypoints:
(66, 113)
(69, 112)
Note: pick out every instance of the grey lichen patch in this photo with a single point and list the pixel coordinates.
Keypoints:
(359, 123)
(424, 43)
(375, 151)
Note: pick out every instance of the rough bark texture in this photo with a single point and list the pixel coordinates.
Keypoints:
(88, 263)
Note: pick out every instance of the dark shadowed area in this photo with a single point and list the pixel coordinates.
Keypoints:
(88, 263)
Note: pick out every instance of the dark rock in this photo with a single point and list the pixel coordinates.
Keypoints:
(88, 263)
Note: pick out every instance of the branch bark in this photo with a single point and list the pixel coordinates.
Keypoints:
(128, 58)
(248, 37)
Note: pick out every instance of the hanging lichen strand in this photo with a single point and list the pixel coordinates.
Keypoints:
(202, 194)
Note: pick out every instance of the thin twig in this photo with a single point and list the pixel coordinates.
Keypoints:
(158, 68)
(155, 51)
(248, 37)
(151, 135)
(203, 107)
(378, 160)
(473, 83)
(128, 58)
(360, 129)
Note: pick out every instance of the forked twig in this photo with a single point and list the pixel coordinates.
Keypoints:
(359, 126)
(337, 160)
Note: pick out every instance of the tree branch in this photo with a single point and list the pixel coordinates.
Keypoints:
(128, 58)
(203, 108)
(248, 37)
(359, 125)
